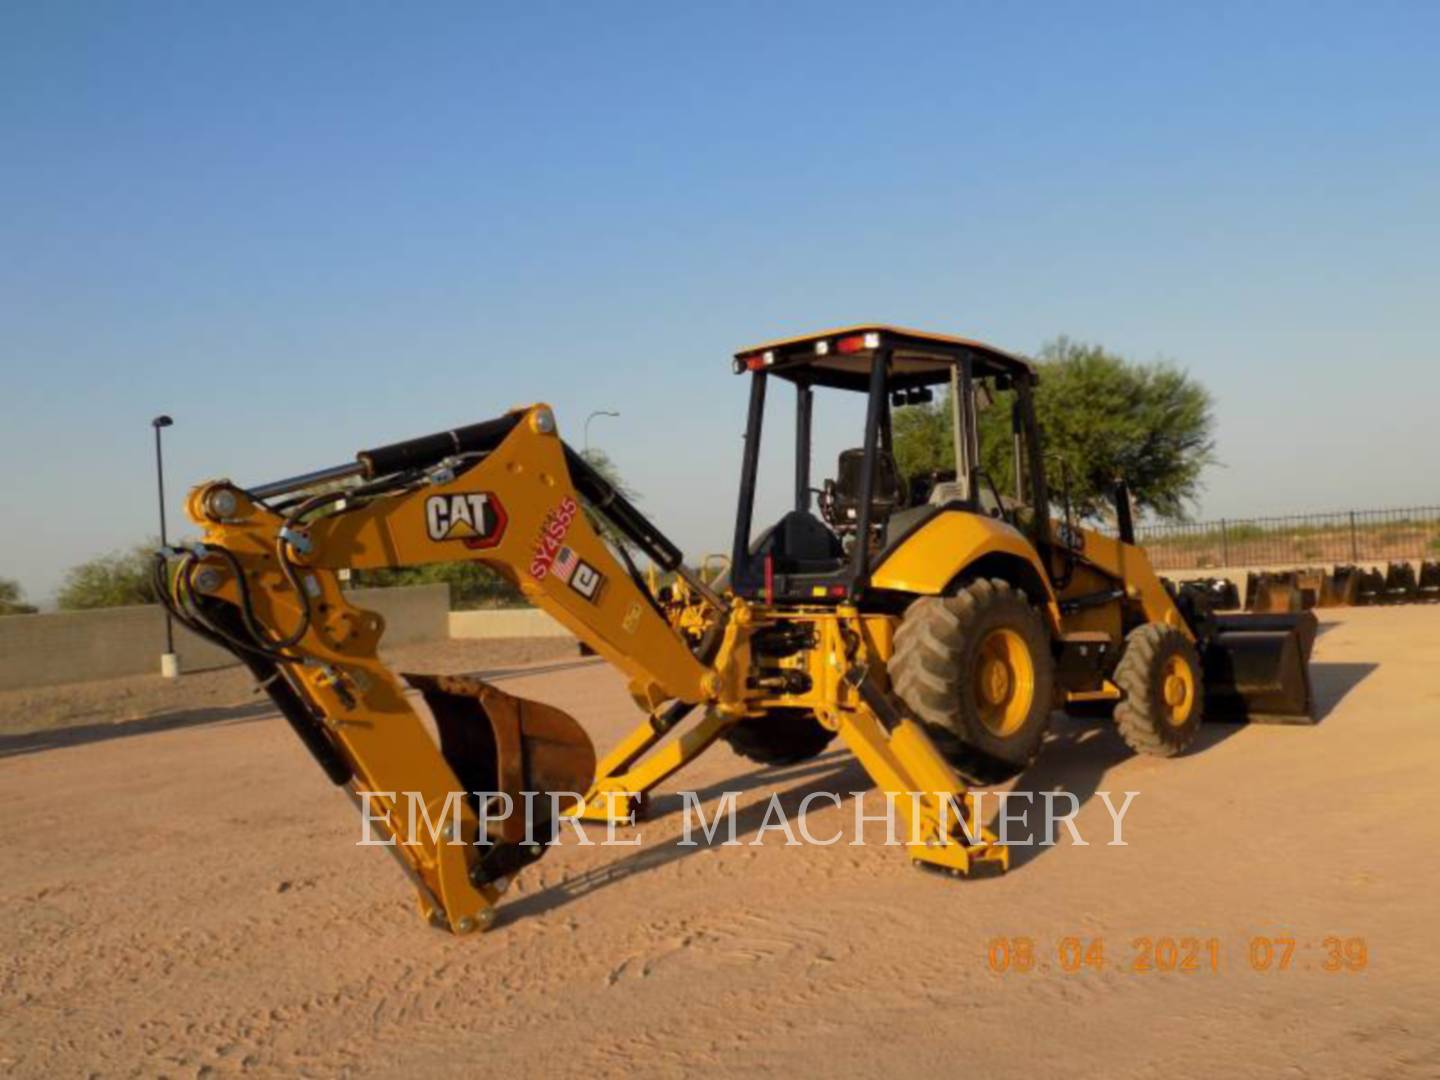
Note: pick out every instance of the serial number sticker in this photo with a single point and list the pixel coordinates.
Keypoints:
(1165, 954)
(552, 538)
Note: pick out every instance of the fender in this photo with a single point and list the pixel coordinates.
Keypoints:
(930, 559)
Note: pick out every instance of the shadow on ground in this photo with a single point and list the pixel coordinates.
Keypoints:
(1076, 757)
(834, 771)
(1332, 681)
(33, 742)
(1078, 754)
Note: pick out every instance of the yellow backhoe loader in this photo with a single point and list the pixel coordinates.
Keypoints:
(931, 622)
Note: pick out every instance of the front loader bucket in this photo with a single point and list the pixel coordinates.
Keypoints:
(496, 742)
(1257, 668)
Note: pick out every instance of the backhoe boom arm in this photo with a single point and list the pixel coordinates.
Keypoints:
(265, 583)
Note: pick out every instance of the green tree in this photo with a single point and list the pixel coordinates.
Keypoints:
(12, 599)
(472, 584)
(113, 580)
(922, 437)
(1102, 418)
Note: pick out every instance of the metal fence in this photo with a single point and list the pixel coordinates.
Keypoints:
(1347, 536)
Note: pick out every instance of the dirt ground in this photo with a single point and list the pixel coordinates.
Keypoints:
(184, 896)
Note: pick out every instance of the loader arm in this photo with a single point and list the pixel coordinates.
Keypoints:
(1255, 667)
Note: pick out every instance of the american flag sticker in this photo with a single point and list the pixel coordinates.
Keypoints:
(565, 562)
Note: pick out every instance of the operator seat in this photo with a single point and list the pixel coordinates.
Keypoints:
(799, 543)
(840, 500)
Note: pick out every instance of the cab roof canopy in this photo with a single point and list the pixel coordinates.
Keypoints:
(843, 358)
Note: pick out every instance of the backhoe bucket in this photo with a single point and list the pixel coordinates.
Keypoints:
(1221, 594)
(1311, 583)
(496, 742)
(1274, 593)
(1429, 584)
(1369, 587)
(1340, 588)
(1257, 668)
(1401, 585)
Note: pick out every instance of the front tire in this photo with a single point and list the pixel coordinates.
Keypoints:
(976, 670)
(1164, 692)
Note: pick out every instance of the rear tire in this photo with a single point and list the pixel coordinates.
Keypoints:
(1164, 692)
(976, 670)
(780, 737)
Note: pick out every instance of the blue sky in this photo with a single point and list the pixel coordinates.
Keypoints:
(306, 228)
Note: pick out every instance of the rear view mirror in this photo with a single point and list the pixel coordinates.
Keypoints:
(919, 395)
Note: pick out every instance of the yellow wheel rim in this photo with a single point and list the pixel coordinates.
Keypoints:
(1177, 687)
(1004, 682)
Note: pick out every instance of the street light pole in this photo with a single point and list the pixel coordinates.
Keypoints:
(597, 412)
(169, 662)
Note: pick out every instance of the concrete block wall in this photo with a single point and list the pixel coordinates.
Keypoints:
(78, 646)
(505, 623)
(412, 614)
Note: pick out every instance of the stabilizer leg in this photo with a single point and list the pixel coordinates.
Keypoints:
(622, 780)
(933, 801)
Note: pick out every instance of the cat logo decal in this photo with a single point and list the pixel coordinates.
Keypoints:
(475, 518)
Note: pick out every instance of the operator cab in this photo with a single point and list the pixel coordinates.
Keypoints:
(868, 505)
